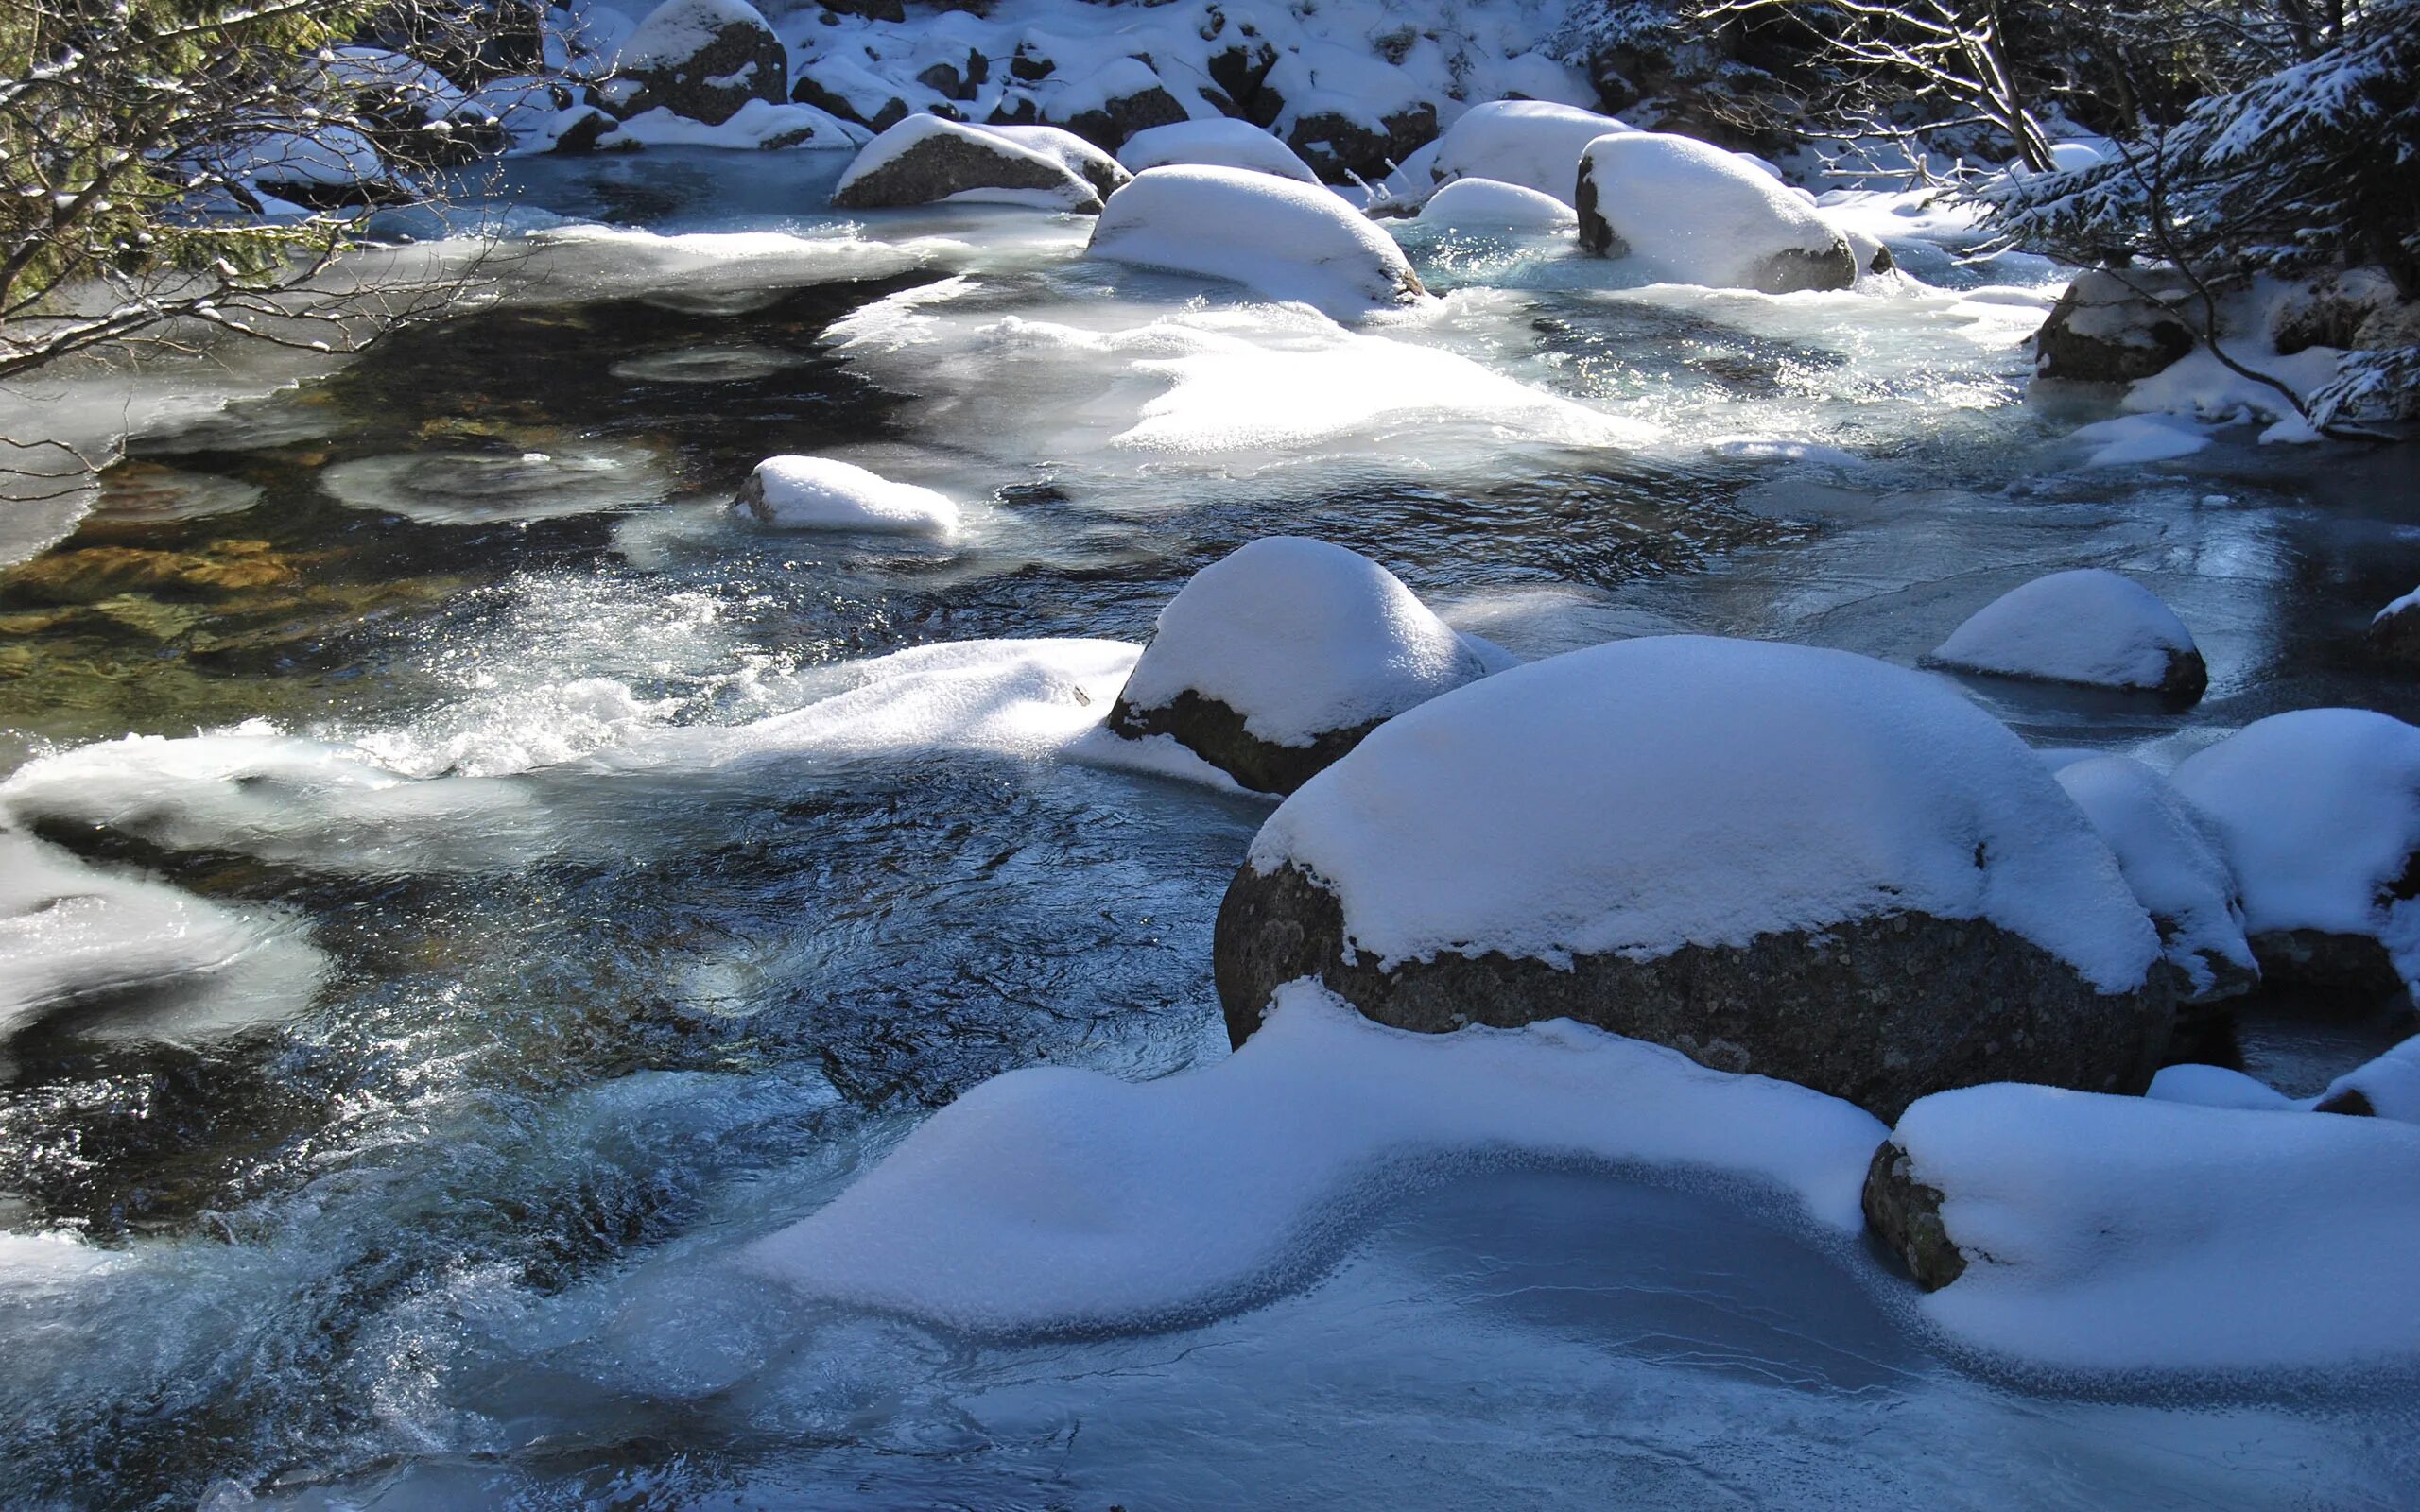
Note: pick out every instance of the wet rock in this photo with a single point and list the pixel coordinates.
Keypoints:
(925, 159)
(144, 494)
(1905, 1214)
(2106, 329)
(700, 59)
(2090, 627)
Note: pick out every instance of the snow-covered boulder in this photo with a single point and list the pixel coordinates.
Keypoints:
(925, 159)
(1109, 106)
(1285, 240)
(2108, 329)
(1688, 211)
(819, 493)
(2175, 860)
(2090, 626)
(1220, 144)
(411, 112)
(2388, 1087)
(1278, 659)
(1778, 859)
(1086, 162)
(1529, 143)
(1485, 204)
(2395, 634)
(2133, 1233)
(2321, 811)
(702, 58)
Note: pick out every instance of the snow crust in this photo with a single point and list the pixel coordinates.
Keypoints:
(1301, 637)
(1649, 794)
(1053, 1199)
(1533, 143)
(1693, 214)
(1485, 202)
(823, 493)
(1285, 240)
(2172, 855)
(2131, 1234)
(2090, 625)
(1221, 143)
(2321, 811)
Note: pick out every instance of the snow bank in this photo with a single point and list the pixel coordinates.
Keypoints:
(1688, 211)
(1220, 144)
(70, 932)
(1529, 143)
(1488, 204)
(2128, 1234)
(1301, 637)
(2321, 811)
(2173, 858)
(819, 493)
(1286, 240)
(1055, 1199)
(2090, 625)
(1635, 798)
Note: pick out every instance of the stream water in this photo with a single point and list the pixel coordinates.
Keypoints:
(438, 1212)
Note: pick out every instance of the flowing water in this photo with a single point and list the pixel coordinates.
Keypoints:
(533, 1003)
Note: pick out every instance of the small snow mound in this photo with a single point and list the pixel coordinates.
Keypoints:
(1688, 211)
(1052, 1199)
(2321, 811)
(819, 493)
(1285, 240)
(1300, 637)
(2388, 1087)
(1222, 144)
(1529, 143)
(1486, 203)
(1640, 796)
(2172, 856)
(2131, 1234)
(2090, 625)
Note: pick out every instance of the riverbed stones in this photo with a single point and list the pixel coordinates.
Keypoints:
(1775, 859)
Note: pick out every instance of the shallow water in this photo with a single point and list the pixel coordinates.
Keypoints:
(451, 1223)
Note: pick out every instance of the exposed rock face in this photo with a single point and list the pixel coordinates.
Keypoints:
(2351, 972)
(1337, 145)
(1216, 733)
(2357, 310)
(924, 160)
(1880, 1012)
(2103, 331)
(1905, 1214)
(702, 58)
(1132, 105)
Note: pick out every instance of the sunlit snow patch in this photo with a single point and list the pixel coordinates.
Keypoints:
(1053, 1199)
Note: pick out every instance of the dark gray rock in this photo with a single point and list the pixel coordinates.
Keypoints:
(2347, 974)
(2394, 636)
(1215, 732)
(1905, 1214)
(582, 132)
(2108, 329)
(808, 91)
(1880, 1012)
(945, 159)
(1123, 115)
(700, 59)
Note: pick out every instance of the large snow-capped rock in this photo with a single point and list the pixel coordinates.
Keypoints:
(1221, 143)
(1778, 859)
(1109, 106)
(2111, 328)
(1283, 239)
(1529, 143)
(1278, 659)
(1486, 204)
(925, 159)
(2091, 627)
(2129, 1233)
(702, 58)
(1086, 162)
(2321, 811)
(1688, 211)
(2175, 860)
(2388, 1087)
(823, 493)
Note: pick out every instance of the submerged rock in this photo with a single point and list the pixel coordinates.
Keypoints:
(702, 58)
(925, 159)
(1274, 662)
(1690, 212)
(2321, 813)
(2090, 626)
(1798, 863)
(88, 575)
(2112, 329)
